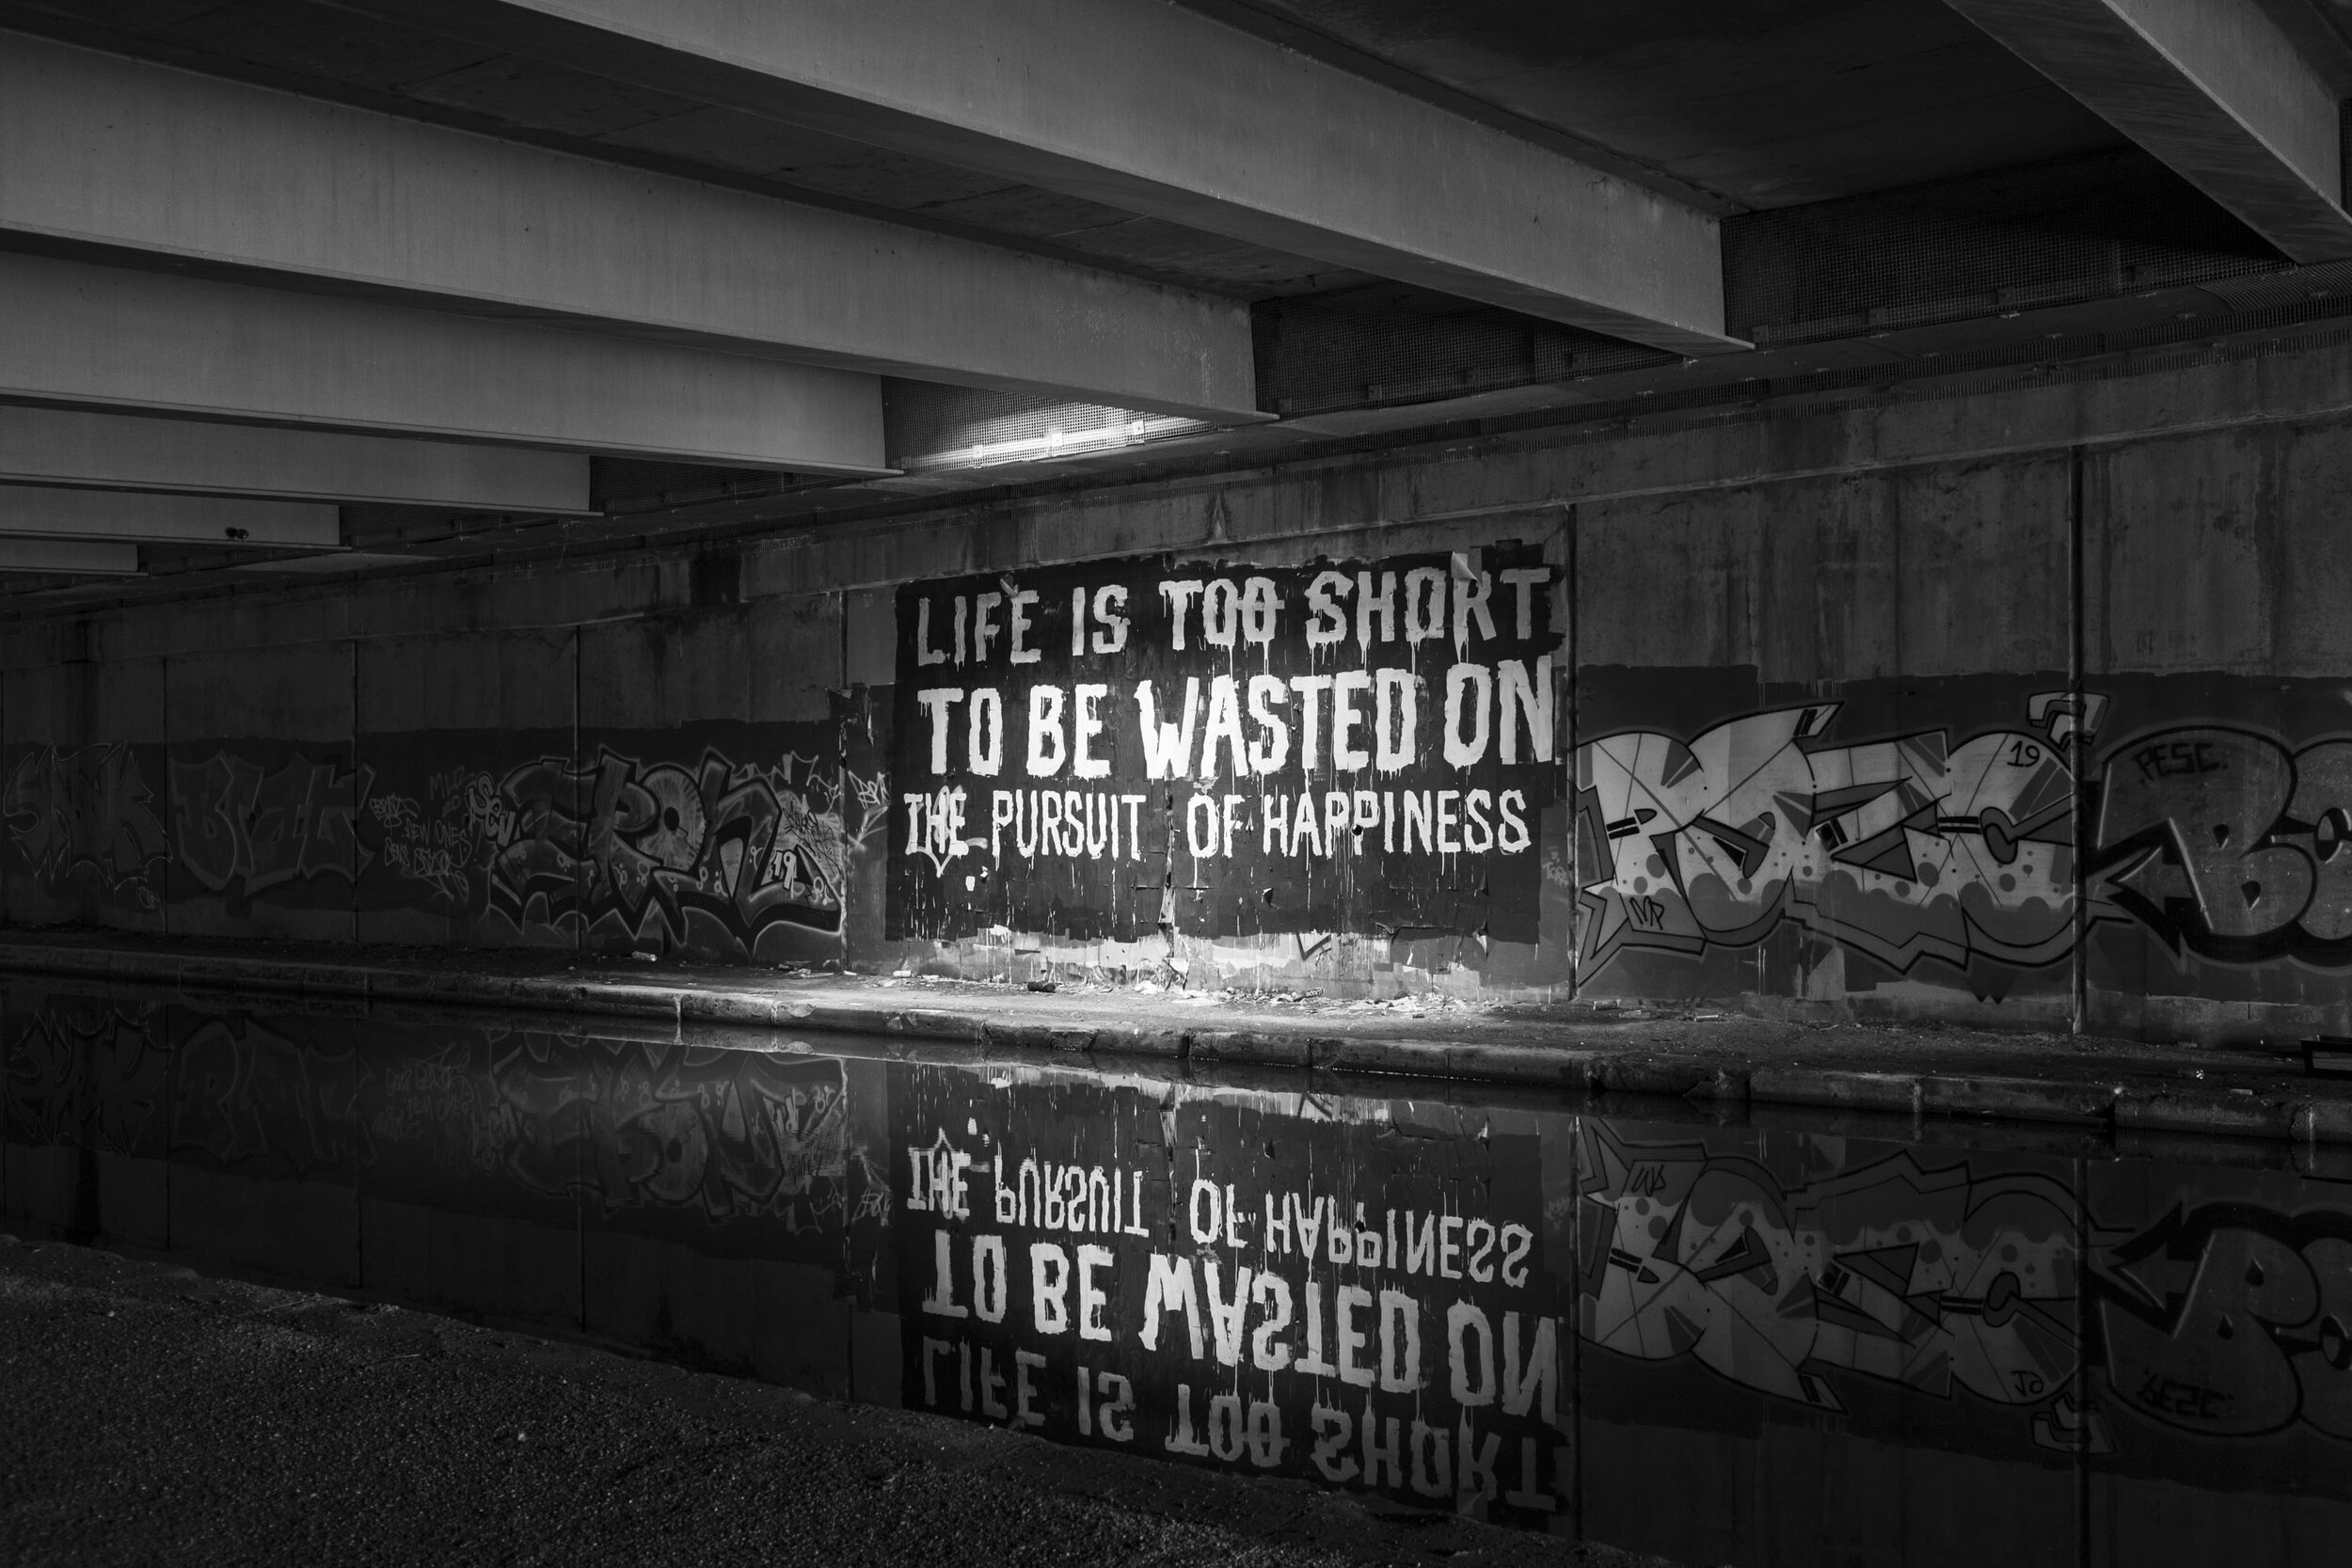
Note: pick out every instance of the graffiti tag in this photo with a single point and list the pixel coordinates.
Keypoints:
(86, 816)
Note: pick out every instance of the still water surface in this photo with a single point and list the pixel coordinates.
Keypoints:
(1790, 1339)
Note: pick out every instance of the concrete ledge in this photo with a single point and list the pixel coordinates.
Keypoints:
(1552, 1067)
(1680, 1077)
(2137, 1101)
(1894, 1093)
(2323, 1122)
(2019, 1099)
(2245, 1115)
(1020, 1035)
(1241, 1045)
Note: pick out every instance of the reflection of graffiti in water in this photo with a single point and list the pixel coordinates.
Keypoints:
(1931, 1277)
(2225, 842)
(725, 1135)
(728, 1133)
(742, 845)
(233, 817)
(2227, 1318)
(87, 817)
(81, 1068)
(244, 1095)
(2230, 1319)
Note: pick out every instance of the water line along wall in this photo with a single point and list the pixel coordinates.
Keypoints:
(2025, 705)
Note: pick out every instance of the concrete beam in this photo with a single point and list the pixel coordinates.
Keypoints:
(60, 556)
(101, 151)
(2212, 87)
(65, 446)
(140, 341)
(1151, 108)
(47, 512)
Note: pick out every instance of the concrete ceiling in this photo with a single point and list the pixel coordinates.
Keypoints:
(330, 51)
(1899, 193)
(1758, 104)
(1737, 108)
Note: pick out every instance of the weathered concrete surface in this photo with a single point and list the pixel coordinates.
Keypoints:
(1158, 110)
(56, 512)
(146, 159)
(2220, 92)
(149, 342)
(1990, 603)
(2118, 1087)
(49, 557)
(70, 446)
(148, 1412)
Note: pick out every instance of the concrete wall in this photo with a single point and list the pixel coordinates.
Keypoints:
(2012, 705)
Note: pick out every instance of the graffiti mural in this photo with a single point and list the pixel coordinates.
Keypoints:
(2230, 843)
(264, 823)
(1923, 846)
(87, 818)
(723, 840)
(2216, 841)
(1226, 747)
(668, 849)
(462, 820)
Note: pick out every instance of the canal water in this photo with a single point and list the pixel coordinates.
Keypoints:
(1767, 1339)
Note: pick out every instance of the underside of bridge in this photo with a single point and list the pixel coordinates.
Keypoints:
(1829, 502)
(776, 264)
(1571, 764)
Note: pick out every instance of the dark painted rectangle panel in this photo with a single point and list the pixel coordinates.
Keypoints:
(1227, 749)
